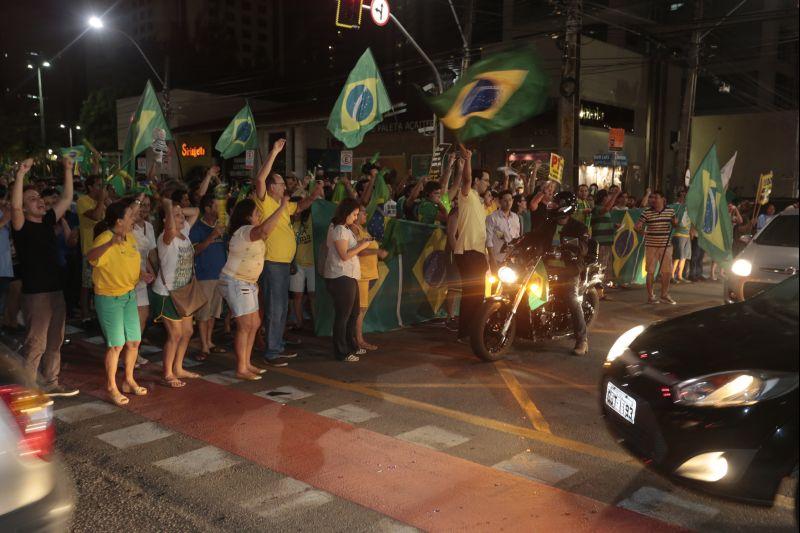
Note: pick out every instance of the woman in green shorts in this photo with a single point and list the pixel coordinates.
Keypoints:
(117, 270)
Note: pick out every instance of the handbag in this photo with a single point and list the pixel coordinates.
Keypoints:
(189, 298)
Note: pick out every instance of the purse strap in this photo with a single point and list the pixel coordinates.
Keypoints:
(161, 270)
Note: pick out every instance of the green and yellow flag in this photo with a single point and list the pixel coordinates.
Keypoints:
(142, 131)
(240, 135)
(494, 94)
(628, 250)
(708, 209)
(538, 287)
(361, 104)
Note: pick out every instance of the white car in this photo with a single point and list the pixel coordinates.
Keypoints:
(770, 257)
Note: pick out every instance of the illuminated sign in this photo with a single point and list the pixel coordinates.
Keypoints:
(192, 151)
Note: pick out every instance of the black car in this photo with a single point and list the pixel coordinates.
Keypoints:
(710, 399)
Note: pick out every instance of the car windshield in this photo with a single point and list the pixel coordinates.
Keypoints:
(781, 231)
(781, 300)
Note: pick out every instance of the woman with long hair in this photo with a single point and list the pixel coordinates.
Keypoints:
(117, 270)
(176, 268)
(342, 272)
(238, 281)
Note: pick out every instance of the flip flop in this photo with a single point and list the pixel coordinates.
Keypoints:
(173, 383)
(138, 390)
(218, 350)
(248, 378)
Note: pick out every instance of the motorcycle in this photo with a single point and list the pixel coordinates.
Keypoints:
(525, 299)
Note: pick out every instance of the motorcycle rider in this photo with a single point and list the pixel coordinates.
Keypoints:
(572, 237)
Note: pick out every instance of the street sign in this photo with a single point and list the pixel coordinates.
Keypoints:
(616, 138)
(348, 14)
(556, 167)
(611, 159)
(380, 12)
(249, 159)
(346, 161)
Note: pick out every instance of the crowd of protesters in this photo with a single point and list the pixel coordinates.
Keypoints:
(124, 261)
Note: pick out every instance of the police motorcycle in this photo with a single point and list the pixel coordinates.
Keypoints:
(527, 297)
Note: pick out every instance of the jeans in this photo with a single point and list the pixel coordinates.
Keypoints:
(344, 293)
(568, 293)
(275, 284)
(472, 269)
(696, 262)
(45, 314)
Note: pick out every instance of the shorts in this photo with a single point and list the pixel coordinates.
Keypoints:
(119, 318)
(86, 274)
(652, 255)
(162, 307)
(213, 306)
(363, 292)
(142, 295)
(242, 296)
(682, 247)
(304, 278)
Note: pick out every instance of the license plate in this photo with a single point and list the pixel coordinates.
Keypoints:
(620, 402)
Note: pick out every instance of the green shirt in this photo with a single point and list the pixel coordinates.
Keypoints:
(602, 226)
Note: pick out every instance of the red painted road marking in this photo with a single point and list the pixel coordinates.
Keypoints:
(422, 487)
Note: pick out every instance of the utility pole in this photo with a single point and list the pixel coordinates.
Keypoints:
(569, 102)
(687, 109)
(41, 107)
(469, 22)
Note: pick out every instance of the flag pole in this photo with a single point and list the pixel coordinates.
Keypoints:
(177, 158)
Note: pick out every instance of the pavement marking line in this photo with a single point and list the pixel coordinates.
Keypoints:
(284, 394)
(227, 377)
(352, 414)
(667, 507)
(135, 435)
(198, 462)
(289, 497)
(83, 411)
(531, 411)
(589, 388)
(475, 420)
(453, 385)
(433, 437)
(537, 468)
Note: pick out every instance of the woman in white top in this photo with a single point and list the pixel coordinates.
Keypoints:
(176, 268)
(238, 281)
(145, 237)
(342, 272)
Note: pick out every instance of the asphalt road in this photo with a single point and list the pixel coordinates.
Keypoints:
(167, 463)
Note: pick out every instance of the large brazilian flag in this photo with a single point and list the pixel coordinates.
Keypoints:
(361, 104)
(146, 120)
(494, 94)
(628, 250)
(708, 209)
(411, 285)
(240, 135)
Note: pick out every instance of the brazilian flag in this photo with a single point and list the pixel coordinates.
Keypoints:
(538, 287)
(708, 209)
(361, 104)
(380, 194)
(628, 250)
(240, 135)
(76, 153)
(494, 94)
(142, 131)
(430, 269)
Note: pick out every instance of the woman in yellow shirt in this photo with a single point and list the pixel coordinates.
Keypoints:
(368, 260)
(117, 270)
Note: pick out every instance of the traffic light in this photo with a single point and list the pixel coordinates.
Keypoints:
(348, 13)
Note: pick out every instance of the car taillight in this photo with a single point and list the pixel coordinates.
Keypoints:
(33, 412)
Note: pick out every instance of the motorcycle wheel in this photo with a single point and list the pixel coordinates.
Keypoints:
(487, 341)
(591, 305)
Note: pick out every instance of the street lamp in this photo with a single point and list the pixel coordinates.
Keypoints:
(95, 22)
(44, 64)
(70, 127)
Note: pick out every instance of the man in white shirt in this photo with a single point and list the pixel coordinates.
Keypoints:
(502, 227)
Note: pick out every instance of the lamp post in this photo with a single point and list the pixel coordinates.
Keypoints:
(69, 128)
(44, 64)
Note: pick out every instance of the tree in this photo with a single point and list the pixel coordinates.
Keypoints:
(98, 119)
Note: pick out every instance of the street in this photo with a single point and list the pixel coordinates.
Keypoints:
(419, 434)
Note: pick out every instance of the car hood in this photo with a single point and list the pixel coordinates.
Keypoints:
(730, 337)
(772, 257)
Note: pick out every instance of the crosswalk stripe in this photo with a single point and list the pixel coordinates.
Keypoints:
(223, 378)
(352, 414)
(198, 462)
(433, 437)
(537, 468)
(667, 507)
(135, 435)
(284, 394)
(387, 525)
(289, 497)
(83, 411)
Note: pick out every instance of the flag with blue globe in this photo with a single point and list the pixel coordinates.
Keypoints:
(240, 135)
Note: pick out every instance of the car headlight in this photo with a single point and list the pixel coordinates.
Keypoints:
(728, 389)
(742, 267)
(622, 343)
(507, 275)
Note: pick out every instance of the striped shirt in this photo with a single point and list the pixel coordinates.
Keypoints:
(602, 226)
(659, 226)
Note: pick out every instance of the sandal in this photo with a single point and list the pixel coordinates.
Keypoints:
(218, 350)
(173, 383)
(138, 390)
(351, 359)
(118, 398)
(248, 377)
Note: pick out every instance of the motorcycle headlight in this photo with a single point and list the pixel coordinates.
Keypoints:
(622, 343)
(729, 389)
(507, 275)
(742, 267)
